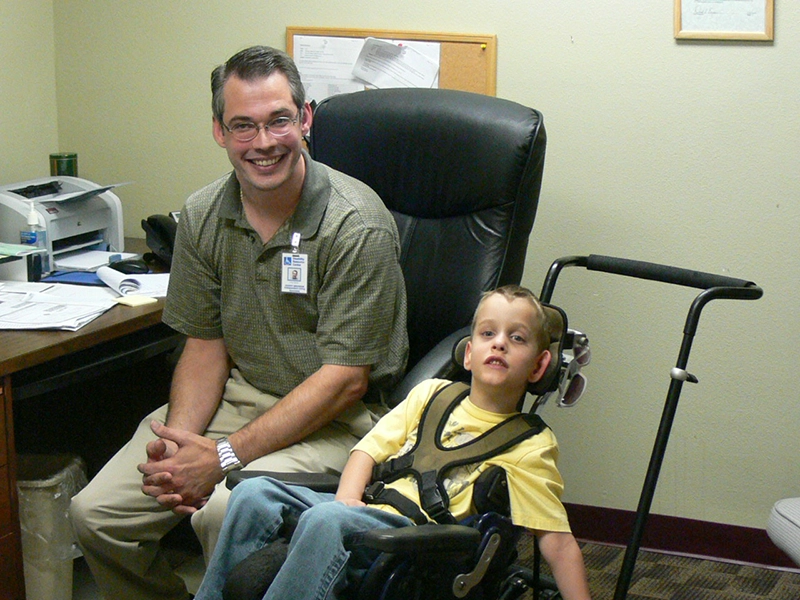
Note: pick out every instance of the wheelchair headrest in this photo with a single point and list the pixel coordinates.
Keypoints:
(556, 326)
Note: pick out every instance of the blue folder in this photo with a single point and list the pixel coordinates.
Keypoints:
(76, 277)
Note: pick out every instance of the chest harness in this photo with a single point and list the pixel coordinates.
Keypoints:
(428, 452)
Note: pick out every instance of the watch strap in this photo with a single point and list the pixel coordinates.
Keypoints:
(227, 457)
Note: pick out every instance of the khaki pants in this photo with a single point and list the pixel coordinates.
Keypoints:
(119, 528)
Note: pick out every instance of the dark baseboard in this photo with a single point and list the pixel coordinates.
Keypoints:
(677, 535)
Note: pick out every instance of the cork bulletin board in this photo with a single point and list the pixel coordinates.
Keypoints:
(466, 62)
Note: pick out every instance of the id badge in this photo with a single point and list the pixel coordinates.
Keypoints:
(294, 276)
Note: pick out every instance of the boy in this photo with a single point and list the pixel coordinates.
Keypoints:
(506, 351)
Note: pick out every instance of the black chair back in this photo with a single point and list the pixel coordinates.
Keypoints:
(461, 174)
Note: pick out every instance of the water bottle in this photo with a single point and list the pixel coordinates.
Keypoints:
(36, 235)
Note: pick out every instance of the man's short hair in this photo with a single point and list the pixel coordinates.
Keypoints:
(254, 63)
(512, 292)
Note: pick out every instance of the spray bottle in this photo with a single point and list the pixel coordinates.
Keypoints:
(36, 235)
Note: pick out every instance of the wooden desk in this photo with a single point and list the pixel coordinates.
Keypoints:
(36, 361)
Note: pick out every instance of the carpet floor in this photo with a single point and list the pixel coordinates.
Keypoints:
(669, 577)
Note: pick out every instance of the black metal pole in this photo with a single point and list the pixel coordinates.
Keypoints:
(651, 479)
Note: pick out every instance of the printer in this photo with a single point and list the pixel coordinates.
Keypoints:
(76, 213)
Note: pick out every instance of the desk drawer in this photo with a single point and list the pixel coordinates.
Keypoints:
(95, 361)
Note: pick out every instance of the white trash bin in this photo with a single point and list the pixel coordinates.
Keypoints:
(46, 484)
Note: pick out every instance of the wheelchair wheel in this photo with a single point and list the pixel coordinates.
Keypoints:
(387, 579)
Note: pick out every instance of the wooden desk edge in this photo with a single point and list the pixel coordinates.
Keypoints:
(23, 349)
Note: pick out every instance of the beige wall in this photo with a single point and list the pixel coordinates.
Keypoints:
(683, 153)
(28, 123)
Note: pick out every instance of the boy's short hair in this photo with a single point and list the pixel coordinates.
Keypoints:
(512, 292)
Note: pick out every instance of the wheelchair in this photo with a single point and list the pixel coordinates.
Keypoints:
(476, 559)
(473, 559)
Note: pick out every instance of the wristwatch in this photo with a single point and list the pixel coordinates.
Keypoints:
(227, 457)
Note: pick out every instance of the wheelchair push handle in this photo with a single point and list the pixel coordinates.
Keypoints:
(663, 273)
(713, 286)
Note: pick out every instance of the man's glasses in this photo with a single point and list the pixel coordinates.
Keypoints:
(246, 131)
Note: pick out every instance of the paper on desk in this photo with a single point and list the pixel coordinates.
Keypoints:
(50, 306)
(388, 65)
(153, 285)
(17, 249)
(89, 260)
(80, 292)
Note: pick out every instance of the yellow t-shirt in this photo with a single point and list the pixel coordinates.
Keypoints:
(534, 483)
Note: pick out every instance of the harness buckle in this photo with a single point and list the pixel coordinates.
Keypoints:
(434, 504)
(439, 513)
(373, 491)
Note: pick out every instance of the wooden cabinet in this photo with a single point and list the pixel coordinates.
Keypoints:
(12, 581)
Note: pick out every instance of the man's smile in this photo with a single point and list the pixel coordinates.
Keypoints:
(265, 162)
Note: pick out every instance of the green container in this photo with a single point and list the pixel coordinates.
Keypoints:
(64, 163)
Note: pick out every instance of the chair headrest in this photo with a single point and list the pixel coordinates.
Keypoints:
(556, 326)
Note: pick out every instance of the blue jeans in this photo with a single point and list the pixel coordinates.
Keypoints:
(316, 567)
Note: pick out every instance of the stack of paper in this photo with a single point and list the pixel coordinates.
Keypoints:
(89, 260)
(17, 249)
(26, 305)
(153, 285)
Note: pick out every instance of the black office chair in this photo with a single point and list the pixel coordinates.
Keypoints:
(461, 174)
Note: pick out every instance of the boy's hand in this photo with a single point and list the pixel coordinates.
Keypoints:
(351, 502)
(354, 479)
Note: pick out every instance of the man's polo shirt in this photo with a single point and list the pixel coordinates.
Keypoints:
(225, 283)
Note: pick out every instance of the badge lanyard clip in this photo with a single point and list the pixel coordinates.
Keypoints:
(294, 275)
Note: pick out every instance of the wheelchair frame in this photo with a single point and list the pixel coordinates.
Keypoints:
(518, 578)
(714, 287)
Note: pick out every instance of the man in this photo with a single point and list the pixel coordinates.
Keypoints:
(276, 367)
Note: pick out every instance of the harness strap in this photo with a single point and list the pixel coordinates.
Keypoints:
(428, 452)
(377, 493)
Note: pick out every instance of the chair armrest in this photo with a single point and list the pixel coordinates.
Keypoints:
(319, 482)
(437, 363)
(423, 539)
